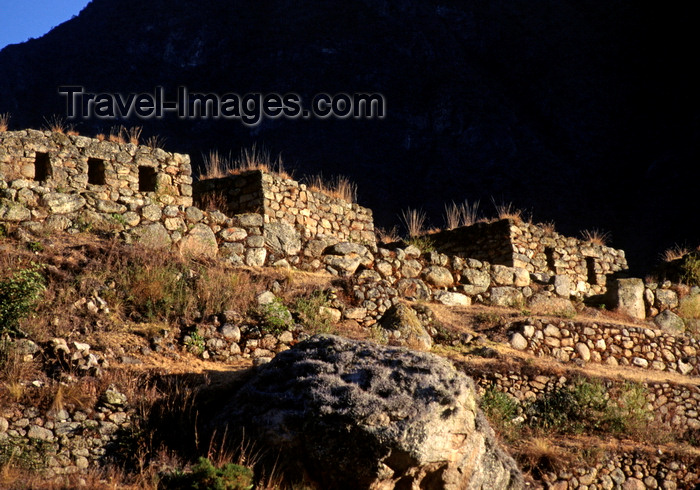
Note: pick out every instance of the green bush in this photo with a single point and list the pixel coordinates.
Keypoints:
(205, 476)
(690, 269)
(590, 406)
(275, 317)
(501, 410)
(18, 295)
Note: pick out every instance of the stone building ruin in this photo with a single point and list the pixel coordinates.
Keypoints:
(536, 249)
(52, 181)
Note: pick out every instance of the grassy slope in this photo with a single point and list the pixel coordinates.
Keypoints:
(146, 294)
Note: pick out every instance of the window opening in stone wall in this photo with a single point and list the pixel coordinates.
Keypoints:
(96, 171)
(590, 268)
(42, 167)
(147, 179)
(549, 253)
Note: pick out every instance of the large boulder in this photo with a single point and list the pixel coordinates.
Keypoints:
(346, 257)
(200, 241)
(282, 238)
(669, 321)
(59, 203)
(627, 295)
(353, 414)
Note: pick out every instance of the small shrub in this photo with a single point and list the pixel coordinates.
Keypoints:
(204, 475)
(18, 295)
(157, 290)
(194, 343)
(275, 317)
(690, 269)
(590, 406)
(423, 243)
(500, 408)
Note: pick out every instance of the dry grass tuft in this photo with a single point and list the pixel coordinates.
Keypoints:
(115, 135)
(4, 122)
(387, 236)
(414, 221)
(340, 187)
(156, 141)
(548, 227)
(596, 237)
(508, 211)
(541, 455)
(100, 137)
(58, 124)
(463, 214)
(217, 166)
(132, 134)
(674, 253)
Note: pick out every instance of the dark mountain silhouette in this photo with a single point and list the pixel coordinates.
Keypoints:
(583, 112)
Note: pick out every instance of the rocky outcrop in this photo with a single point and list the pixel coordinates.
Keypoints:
(352, 414)
(401, 326)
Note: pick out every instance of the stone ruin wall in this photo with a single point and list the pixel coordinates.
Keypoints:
(536, 250)
(283, 200)
(109, 171)
(55, 182)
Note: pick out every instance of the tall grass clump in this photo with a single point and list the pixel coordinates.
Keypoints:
(596, 237)
(217, 166)
(4, 122)
(507, 211)
(414, 221)
(339, 187)
(463, 214)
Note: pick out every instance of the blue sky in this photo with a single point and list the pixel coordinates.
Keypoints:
(22, 19)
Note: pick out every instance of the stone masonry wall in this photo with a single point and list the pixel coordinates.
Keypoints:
(283, 200)
(641, 347)
(535, 249)
(587, 264)
(109, 171)
(674, 405)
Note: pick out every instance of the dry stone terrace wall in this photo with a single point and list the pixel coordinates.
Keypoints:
(60, 441)
(614, 345)
(674, 405)
(536, 250)
(284, 201)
